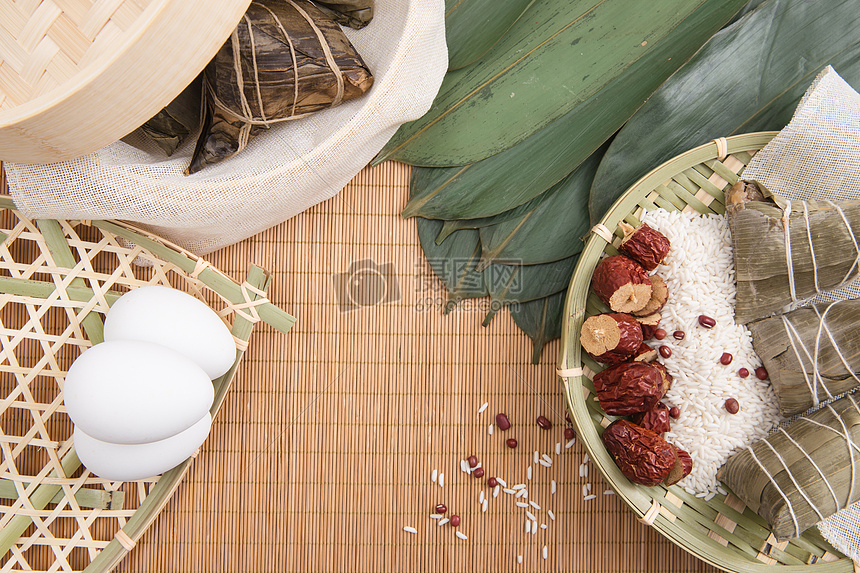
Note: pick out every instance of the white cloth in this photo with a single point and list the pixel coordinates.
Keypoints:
(817, 156)
(281, 172)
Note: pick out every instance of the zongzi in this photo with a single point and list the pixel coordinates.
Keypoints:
(353, 13)
(787, 252)
(812, 354)
(285, 60)
(801, 474)
(170, 127)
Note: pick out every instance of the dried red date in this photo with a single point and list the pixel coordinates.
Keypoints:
(643, 244)
(656, 419)
(645, 354)
(664, 374)
(682, 468)
(649, 325)
(659, 296)
(629, 388)
(641, 455)
(611, 338)
(621, 283)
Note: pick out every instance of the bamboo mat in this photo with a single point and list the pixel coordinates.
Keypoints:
(326, 444)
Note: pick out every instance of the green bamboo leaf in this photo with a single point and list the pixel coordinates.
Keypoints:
(550, 232)
(524, 171)
(453, 261)
(472, 27)
(557, 57)
(509, 284)
(541, 320)
(748, 77)
(453, 225)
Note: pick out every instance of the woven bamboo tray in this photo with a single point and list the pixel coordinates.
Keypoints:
(64, 275)
(76, 75)
(722, 531)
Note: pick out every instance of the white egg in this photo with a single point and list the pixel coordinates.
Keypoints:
(129, 462)
(133, 392)
(174, 319)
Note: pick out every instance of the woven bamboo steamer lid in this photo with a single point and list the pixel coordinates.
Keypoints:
(76, 75)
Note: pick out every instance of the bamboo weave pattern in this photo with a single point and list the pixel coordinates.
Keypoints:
(44, 43)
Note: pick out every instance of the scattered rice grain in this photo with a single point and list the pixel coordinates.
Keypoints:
(509, 491)
(546, 464)
(550, 514)
(443, 521)
(545, 552)
(547, 458)
(552, 487)
(544, 526)
(501, 482)
(434, 476)
(436, 516)
(519, 486)
(522, 493)
(534, 505)
(496, 490)
(462, 535)
(441, 480)
(529, 473)
(490, 429)
(481, 497)
(570, 444)
(558, 448)
(484, 506)
(537, 456)
(589, 497)
(519, 558)
(410, 529)
(483, 408)
(530, 515)
(528, 526)
(521, 504)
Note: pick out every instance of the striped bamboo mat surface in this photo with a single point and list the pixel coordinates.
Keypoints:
(326, 445)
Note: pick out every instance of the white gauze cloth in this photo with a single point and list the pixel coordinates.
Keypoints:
(817, 156)
(283, 171)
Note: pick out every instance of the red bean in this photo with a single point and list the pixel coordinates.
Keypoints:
(665, 351)
(454, 521)
(441, 508)
(478, 473)
(660, 334)
(544, 422)
(732, 406)
(472, 460)
(492, 482)
(511, 443)
(568, 433)
(675, 412)
(678, 334)
(726, 358)
(707, 321)
(761, 373)
(503, 422)
(743, 372)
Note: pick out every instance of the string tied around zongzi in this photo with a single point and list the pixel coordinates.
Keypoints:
(803, 473)
(788, 252)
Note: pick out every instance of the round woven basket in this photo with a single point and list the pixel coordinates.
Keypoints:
(76, 76)
(721, 531)
(57, 280)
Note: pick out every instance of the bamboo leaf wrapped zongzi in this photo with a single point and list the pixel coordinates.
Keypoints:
(285, 59)
(171, 126)
(787, 252)
(812, 354)
(353, 13)
(801, 474)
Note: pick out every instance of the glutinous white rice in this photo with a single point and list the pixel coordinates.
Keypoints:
(699, 271)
